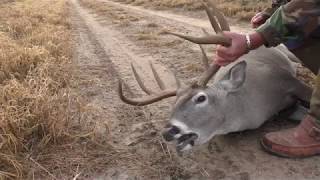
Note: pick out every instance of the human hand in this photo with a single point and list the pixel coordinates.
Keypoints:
(226, 55)
(258, 19)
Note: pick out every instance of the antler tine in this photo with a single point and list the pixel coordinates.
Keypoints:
(160, 83)
(207, 75)
(205, 59)
(211, 39)
(212, 19)
(222, 20)
(153, 96)
(144, 100)
(141, 84)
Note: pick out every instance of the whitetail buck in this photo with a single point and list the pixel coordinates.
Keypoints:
(243, 95)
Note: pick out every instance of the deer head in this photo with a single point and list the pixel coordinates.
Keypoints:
(197, 114)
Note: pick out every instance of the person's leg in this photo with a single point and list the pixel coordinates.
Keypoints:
(309, 54)
(315, 100)
(304, 140)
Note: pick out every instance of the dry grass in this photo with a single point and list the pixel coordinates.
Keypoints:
(35, 96)
(243, 9)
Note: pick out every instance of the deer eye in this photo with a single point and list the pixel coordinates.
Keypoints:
(200, 98)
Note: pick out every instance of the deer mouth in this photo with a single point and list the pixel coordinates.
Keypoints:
(186, 142)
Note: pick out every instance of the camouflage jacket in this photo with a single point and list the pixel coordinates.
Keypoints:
(292, 23)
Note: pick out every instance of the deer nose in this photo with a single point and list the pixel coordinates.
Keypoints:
(170, 133)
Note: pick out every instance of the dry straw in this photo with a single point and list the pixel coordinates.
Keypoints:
(34, 92)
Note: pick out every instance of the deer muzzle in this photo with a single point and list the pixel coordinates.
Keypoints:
(183, 141)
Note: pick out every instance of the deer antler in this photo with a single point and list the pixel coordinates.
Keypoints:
(205, 59)
(211, 39)
(219, 25)
(153, 97)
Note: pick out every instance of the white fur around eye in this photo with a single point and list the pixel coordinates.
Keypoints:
(199, 94)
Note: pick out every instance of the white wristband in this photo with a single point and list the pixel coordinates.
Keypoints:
(248, 40)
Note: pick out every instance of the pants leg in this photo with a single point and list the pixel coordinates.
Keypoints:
(315, 100)
(309, 54)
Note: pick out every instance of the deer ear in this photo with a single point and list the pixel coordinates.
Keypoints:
(235, 78)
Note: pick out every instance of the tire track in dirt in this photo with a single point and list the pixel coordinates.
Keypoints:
(236, 156)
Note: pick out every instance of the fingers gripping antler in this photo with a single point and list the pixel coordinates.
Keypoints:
(153, 96)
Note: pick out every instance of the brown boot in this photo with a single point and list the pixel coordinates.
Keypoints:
(301, 141)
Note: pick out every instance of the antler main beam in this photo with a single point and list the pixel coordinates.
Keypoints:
(144, 100)
(153, 96)
(210, 39)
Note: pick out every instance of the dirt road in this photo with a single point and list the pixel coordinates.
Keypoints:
(109, 36)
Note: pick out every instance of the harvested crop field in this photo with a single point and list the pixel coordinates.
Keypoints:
(240, 9)
(60, 114)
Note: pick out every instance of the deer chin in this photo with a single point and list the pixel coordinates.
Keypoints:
(221, 131)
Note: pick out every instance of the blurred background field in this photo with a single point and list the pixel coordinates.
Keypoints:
(242, 9)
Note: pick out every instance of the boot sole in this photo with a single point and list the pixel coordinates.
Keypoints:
(279, 154)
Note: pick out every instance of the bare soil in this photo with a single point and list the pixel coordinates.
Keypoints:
(108, 37)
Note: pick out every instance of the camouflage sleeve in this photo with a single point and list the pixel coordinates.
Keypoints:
(275, 5)
(292, 21)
